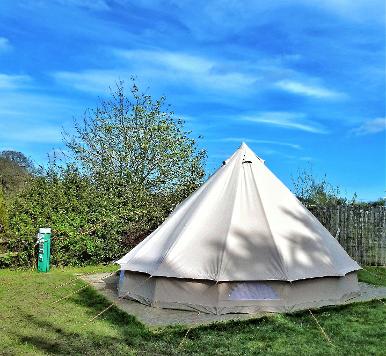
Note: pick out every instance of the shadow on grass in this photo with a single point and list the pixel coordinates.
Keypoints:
(116, 332)
(88, 336)
(55, 340)
(95, 303)
(91, 337)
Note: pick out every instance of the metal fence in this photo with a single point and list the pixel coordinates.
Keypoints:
(361, 231)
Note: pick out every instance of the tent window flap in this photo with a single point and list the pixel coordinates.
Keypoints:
(252, 291)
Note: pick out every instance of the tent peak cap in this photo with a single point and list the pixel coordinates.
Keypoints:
(247, 151)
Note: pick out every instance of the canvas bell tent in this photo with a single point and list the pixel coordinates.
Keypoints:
(241, 243)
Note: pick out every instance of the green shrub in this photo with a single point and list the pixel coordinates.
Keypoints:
(132, 162)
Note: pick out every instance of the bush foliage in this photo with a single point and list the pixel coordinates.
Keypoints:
(131, 162)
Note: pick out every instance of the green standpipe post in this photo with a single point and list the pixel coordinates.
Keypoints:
(44, 242)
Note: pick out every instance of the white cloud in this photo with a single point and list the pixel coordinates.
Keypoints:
(35, 118)
(173, 60)
(370, 127)
(297, 87)
(216, 20)
(95, 81)
(16, 105)
(169, 68)
(252, 140)
(288, 120)
(200, 70)
(41, 134)
(9, 82)
(4, 44)
(179, 70)
(358, 10)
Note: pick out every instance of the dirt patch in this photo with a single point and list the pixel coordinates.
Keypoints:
(106, 284)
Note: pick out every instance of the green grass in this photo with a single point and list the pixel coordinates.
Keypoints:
(373, 275)
(31, 323)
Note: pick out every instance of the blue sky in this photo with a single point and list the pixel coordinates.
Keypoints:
(302, 82)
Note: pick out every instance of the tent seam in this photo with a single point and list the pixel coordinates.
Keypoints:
(270, 231)
(148, 239)
(229, 226)
(175, 241)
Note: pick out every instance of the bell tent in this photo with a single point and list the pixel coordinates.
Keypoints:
(241, 243)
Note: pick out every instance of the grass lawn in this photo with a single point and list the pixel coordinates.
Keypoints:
(35, 320)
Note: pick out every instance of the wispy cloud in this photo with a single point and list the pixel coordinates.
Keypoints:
(25, 107)
(362, 10)
(211, 18)
(315, 91)
(94, 81)
(4, 44)
(173, 60)
(288, 120)
(37, 134)
(10, 82)
(370, 127)
(191, 72)
(170, 68)
(252, 140)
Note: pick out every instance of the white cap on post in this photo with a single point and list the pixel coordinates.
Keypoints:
(45, 230)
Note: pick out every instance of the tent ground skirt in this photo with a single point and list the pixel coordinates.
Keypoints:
(237, 297)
